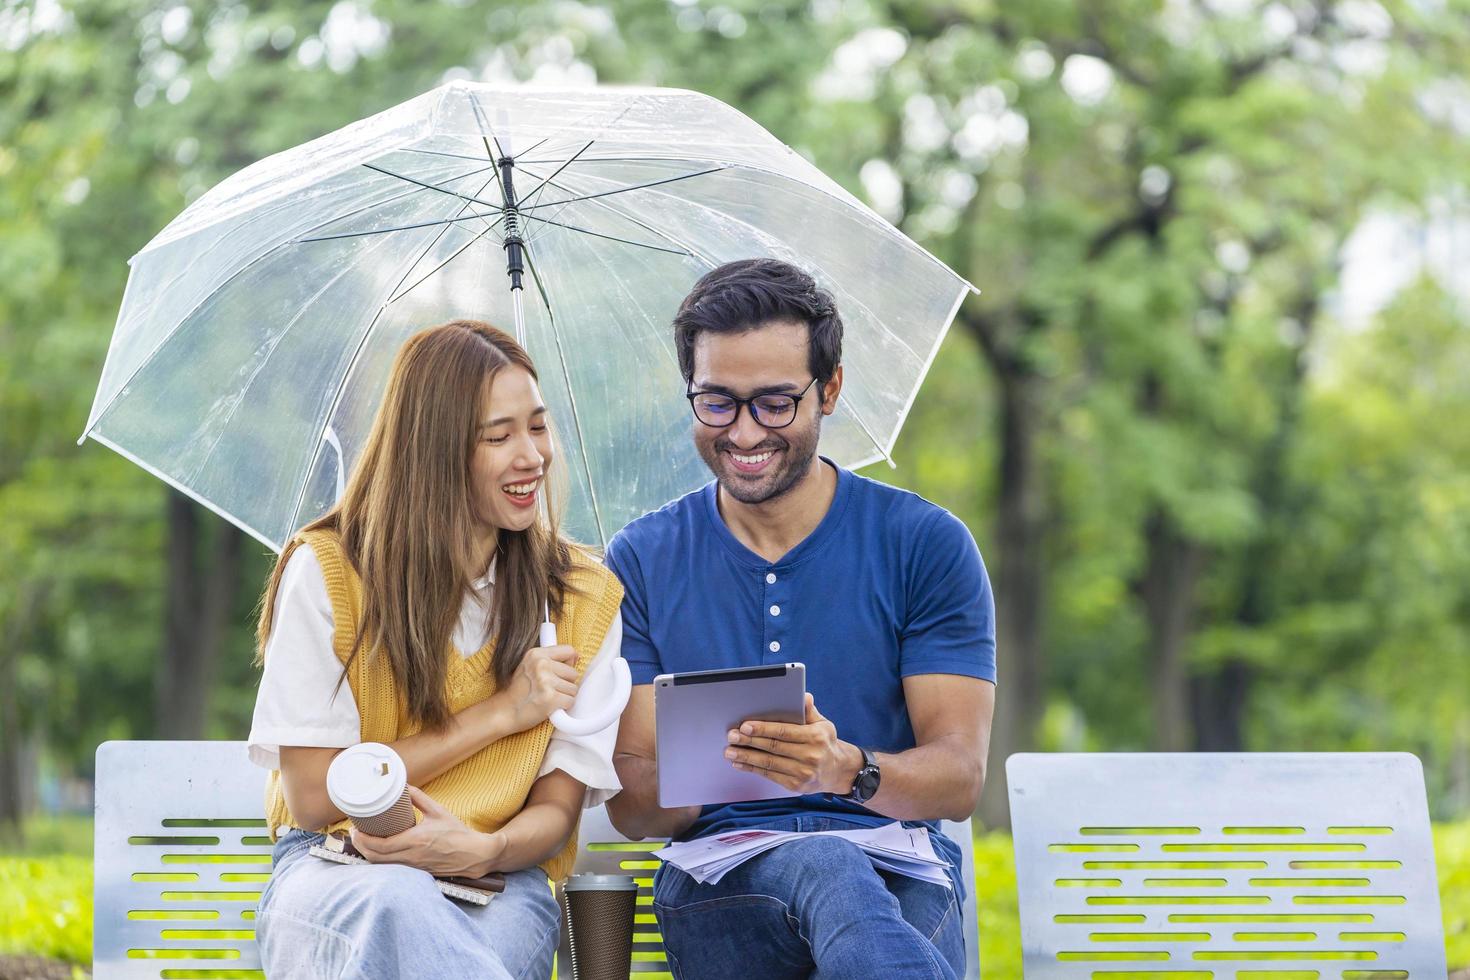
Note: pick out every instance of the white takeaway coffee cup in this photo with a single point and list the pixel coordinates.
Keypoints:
(369, 783)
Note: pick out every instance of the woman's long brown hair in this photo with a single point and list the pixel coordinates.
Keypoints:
(407, 522)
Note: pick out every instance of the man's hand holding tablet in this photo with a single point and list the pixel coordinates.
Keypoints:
(805, 758)
(695, 714)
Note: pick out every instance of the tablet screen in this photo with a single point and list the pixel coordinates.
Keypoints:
(694, 713)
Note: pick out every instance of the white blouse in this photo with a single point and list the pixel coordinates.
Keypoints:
(299, 702)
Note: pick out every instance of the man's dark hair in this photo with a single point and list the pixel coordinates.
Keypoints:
(745, 295)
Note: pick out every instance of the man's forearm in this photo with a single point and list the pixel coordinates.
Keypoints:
(635, 811)
(940, 780)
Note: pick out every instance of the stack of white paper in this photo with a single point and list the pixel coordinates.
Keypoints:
(891, 847)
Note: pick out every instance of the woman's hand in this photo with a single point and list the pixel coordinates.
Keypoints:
(545, 681)
(440, 844)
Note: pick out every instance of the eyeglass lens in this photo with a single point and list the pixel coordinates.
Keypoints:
(769, 410)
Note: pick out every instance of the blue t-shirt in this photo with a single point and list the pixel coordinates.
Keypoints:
(888, 585)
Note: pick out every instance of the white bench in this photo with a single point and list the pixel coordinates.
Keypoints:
(1303, 866)
(182, 854)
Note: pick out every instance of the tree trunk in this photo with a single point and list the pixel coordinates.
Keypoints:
(1221, 698)
(197, 604)
(1018, 583)
(15, 789)
(11, 810)
(1167, 591)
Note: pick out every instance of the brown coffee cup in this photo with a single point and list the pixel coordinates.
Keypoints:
(369, 783)
(597, 914)
(394, 820)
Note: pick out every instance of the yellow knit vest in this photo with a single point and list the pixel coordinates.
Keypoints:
(491, 786)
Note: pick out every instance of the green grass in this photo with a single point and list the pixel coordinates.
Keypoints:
(49, 896)
(49, 907)
(1452, 855)
(49, 836)
(995, 897)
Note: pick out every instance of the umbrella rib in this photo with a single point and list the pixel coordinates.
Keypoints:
(302, 312)
(347, 374)
(705, 207)
(611, 238)
(445, 153)
(624, 160)
(869, 433)
(571, 396)
(457, 253)
(99, 412)
(437, 238)
(488, 130)
(383, 203)
(433, 187)
(385, 231)
(883, 225)
(689, 250)
(234, 409)
(538, 144)
(625, 190)
(602, 128)
(544, 181)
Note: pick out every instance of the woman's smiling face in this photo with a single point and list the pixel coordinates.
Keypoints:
(512, 453)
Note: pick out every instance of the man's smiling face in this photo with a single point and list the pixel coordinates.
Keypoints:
(754, 464)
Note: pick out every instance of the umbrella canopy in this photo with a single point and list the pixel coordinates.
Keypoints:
(258, 328)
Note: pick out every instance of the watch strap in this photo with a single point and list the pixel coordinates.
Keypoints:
(870, 764)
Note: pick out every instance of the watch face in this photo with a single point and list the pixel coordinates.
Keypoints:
(865, 786)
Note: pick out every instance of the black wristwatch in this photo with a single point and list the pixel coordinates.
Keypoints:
(865, 784)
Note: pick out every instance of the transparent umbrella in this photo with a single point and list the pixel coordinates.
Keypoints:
(257, 329)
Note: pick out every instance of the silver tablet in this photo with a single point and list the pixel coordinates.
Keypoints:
(693, 715)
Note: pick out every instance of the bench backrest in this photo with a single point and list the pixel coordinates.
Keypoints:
(1200, 866)
(182, 855)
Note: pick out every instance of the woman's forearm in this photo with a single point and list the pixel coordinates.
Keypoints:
(429, 754)
(425, 755)
(536, 834)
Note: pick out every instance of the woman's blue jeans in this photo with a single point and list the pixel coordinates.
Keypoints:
(809, 908)
(323, 920)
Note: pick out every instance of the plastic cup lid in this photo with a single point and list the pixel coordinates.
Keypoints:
(366, 779)
(601, 883)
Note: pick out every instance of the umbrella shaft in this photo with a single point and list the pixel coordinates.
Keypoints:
(514, 247)
(515, 265)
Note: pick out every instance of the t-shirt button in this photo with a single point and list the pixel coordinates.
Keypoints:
(775, 610)
(775, 646)
(770, 578)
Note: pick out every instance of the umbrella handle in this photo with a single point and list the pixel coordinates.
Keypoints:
(613, 701)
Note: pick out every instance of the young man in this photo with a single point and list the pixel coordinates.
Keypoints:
(882, 595)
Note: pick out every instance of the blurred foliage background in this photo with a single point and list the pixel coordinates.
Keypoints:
(1209, 420)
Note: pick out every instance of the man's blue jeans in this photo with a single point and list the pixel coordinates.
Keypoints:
(809, 908)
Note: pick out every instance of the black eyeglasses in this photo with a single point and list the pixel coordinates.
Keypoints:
(771, 411)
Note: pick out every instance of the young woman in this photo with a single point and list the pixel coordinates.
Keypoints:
(408, 615)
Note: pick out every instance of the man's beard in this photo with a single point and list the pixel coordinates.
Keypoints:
(795, 461)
